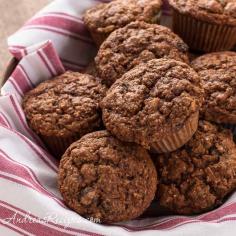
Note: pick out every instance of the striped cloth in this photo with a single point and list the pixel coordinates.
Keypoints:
(30, 203)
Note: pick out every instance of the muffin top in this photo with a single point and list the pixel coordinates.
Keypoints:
(197, 177)
(218, 73)
(66, 105)
(135, 43)
(151, 101)
(213, 11)
(104, 178)
(107, 17)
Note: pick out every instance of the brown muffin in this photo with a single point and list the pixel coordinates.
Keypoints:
(104, 178)
(63, 109)
(104, 18)
(198, 177)
(205, 25)
(137, 42)
(155, 105)
(218, 73)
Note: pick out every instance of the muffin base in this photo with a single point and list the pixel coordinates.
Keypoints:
(203, 36)
(179, 138)
(58, 145)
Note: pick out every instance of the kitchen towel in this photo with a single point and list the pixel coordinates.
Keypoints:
(55, 39)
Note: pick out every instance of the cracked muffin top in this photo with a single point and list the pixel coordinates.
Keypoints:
(107, 17)
(137, 42)
(213, 11)
(66, 105)
(104, 178)
(197, 177)
(151, 101)
(218, 73)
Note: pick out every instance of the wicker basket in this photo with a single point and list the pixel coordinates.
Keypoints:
(9, 69)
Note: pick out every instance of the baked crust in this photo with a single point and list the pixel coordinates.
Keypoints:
(218, 73)
(138, 42)
(152, 101)
(104, 18)
(104, 178)
(65, 106)
(197, 177)
(213, 11)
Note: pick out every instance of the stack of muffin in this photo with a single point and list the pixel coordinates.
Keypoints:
(148, 124)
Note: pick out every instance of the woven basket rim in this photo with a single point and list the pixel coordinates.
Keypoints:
(11, 65)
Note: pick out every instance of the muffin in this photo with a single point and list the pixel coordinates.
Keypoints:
(218, 73)
(205, 25)
(156, 105)
(103, 178)
(135, 43)
(199, 176)
(63, 109)
(104, 18)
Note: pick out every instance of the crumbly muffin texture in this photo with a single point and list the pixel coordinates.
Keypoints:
(218, 73)
(197, 177)
(152, 101)
(214, 11)
(107, 17)
(65, 106)
(104, 178)
(138, 42)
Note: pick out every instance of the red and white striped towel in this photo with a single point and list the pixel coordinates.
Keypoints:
(30, 203)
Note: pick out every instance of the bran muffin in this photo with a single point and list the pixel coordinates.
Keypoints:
(137, 42)
(63, 109)
(104, 18)
(156, 105)
(218, 74)
(198, 177)
(105, 178)
(205, 25)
